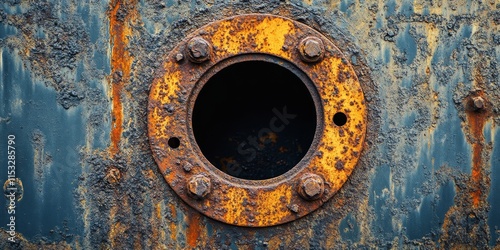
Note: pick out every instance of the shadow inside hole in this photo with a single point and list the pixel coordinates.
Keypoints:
(340, 119)
(174, 142)
(254, 120)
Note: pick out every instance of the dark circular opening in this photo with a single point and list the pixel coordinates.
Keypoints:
(339, 119)
(174, 142)
(254, 120)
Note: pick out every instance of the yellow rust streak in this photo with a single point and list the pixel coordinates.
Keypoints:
(268, 35)
(345, 93)
(117, 228)
(158, 238)
(266, 210)
(233, 206)
(165, 95)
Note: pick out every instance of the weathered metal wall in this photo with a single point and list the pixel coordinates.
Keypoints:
(74, 91)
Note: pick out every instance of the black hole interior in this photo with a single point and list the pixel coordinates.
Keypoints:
(254, 120)
(340, 119)
(174, 142)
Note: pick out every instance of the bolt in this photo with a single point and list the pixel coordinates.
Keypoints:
(294, 208)
(311, 187)
(311, 49)
(199, 186)
(179, 57)
(198, 50)
(187, 167)
(478, 102)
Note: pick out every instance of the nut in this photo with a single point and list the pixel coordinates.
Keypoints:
(199, 186)
(478, 102)
(198, 50)
(311, 187)
(311, 49)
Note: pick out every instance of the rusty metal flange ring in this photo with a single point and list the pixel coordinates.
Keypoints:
(328, 163)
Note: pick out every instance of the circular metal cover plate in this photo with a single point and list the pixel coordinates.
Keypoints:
(331, 158)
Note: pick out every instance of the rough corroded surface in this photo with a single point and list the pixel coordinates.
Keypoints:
(427, 177)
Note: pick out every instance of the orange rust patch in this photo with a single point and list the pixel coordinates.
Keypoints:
(172, 225)
(476, 120)
(120, 14)
(193, 230)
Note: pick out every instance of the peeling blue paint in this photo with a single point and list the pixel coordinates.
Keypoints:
(345, 6)
(407, 8)
(427, 220)
(444, 51)
(391, 7)
(407, 45)
(494, 196)
(379, 199)
(32, 108)
(349, 229)
(6, 31)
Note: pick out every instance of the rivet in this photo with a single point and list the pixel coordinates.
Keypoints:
(478, 102)
(187, 167)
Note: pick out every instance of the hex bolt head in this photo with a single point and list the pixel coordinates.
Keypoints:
(199, 186)
(311, 49)
(199, 50)
(478, 102)
(311, 187)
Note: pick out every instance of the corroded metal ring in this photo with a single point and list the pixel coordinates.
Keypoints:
(331, 158)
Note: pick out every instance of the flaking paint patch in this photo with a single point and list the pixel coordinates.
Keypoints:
(41, 159)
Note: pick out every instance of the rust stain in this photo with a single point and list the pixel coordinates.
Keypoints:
(116, 229)
(158, 237)
(193, 229)
(120, 14)
(476, 120)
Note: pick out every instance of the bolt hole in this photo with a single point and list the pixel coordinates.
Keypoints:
(340, 119)
(174, 142)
